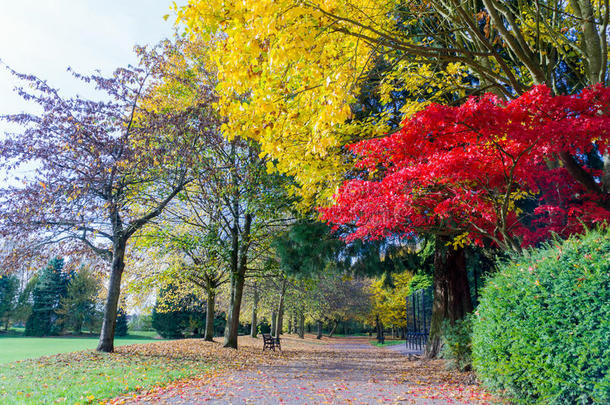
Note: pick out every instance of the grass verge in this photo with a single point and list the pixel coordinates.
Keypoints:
(387, 343)
(90, 377)
(20, 348)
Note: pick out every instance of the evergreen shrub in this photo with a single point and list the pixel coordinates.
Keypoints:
(542, 330)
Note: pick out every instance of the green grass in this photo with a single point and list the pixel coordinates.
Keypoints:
(144, 333)
(89, 376)
(13, 348)
(387, 343)
(348, 335)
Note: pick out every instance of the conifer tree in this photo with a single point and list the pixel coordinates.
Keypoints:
(51, 287)
(121, 322)
(8, 298)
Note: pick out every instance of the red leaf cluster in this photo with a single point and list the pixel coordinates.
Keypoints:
(473, 168)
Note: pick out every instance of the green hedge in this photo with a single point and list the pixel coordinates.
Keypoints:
(542, 329)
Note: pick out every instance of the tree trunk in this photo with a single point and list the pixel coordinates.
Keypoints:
(209, 317)
(240, 243)
(280, 310)
(106, 342)
(237, 289)
(333, 329)
(289, 325)
(319, 336)
(273, 319)
(238, 277)
(254, 327)
(452, 299)
(378, 327)
(279, 323)
(302, 325)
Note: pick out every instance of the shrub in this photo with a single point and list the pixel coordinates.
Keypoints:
(542, 334)
(457, 344)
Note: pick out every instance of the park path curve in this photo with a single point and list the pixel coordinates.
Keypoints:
(348, 371)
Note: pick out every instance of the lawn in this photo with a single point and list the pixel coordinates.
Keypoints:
(89, 376)
(387, 343)
(13, 348)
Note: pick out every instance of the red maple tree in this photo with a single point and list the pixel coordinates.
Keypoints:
(488, 171)
(468, 171)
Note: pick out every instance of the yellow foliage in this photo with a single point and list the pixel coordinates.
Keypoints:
(289, 78)
(388, 302)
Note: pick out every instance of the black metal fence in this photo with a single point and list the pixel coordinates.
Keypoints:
(419, 312)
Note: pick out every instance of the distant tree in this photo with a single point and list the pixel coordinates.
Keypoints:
(141, 322)
(23, 309)
(80, 306)
(175, 314)
(388, 300)
(121, 322)
(306, 247)
(51, 286)
(8, 298)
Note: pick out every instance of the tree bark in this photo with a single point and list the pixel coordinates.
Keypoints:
(106, 342)
(319, 336)
(452, 299)
(378, 327)
(254, 327)
(280, 310)
(209, 317)
(302, 325)
(239, 263)
(273, 322)
(237, 290)
(332, 331)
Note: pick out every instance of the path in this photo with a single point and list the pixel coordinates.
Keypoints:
(347, 371)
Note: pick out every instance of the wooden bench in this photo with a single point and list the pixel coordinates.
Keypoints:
(270, 342)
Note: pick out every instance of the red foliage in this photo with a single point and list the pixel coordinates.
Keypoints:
(451, 170)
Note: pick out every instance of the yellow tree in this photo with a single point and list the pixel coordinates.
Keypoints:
(388, 300)
(289, 78)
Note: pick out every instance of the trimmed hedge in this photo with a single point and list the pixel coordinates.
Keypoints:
(542, 329)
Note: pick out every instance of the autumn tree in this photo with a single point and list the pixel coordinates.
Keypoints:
(388, 300)
(101, 169)
(465, 179)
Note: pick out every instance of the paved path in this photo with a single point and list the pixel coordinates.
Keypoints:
(346, 373)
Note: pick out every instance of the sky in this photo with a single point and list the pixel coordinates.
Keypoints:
(44, 37)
